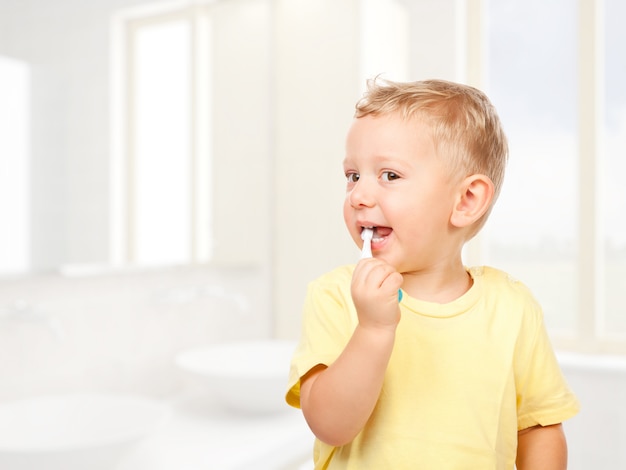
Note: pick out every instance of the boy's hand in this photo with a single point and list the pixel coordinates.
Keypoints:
(374, 289)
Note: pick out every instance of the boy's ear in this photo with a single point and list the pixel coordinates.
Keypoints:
(473, 200)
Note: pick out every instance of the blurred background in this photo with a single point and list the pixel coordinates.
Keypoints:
(171, 178)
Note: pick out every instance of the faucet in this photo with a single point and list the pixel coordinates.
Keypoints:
(22, 311)
(219, 292)
(182, 295)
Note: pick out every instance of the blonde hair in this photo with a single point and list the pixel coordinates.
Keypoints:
(464, 125)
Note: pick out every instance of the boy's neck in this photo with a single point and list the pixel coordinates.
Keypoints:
(440, 284)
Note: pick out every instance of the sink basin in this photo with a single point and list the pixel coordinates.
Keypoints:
(74, 431)
(244, 376)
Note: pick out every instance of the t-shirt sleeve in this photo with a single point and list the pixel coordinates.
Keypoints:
(328, 320)
(543, 395)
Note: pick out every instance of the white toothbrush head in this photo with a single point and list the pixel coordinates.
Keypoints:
(366, 235)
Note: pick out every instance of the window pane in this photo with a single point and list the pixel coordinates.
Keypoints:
(532, 232)
(615, 168)
(162, 144)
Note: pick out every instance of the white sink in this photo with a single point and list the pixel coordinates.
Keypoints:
(74, 431)
(245, 376)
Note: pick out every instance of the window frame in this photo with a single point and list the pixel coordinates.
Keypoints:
(125, 26)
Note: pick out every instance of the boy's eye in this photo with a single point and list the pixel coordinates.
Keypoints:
(352, 177)
(389, 176)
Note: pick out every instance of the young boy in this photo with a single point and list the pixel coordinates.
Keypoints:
(457, 372)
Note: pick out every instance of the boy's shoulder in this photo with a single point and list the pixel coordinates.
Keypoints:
(339, 275)
(496, 282)
(491, 275)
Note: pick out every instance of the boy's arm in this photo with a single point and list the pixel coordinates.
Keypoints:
(542, 448)
(338, 400)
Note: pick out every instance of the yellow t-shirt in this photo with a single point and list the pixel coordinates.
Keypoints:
(463, 377)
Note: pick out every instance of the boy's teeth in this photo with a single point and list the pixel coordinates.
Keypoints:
(378, 233)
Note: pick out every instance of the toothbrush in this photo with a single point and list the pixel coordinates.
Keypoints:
(366, 235)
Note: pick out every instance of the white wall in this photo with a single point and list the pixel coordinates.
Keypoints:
(242, 132)
(315, 88)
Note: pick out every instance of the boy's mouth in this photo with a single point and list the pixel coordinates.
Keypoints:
(380, 233)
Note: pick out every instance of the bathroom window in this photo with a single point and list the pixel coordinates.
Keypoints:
(163, 172)
(534, 229)
(557, 225)
(14, 166)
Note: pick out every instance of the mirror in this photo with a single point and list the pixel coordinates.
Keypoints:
(55, 59)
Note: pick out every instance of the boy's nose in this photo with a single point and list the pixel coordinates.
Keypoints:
(360, 195)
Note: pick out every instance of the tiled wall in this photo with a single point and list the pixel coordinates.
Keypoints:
(121, 332)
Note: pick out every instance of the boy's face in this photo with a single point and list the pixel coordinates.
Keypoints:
(396, 183)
